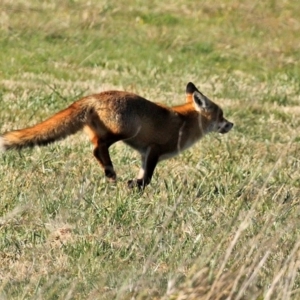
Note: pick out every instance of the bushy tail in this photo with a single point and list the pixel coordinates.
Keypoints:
(57, 127)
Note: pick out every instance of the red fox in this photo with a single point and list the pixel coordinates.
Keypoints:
(156, 131)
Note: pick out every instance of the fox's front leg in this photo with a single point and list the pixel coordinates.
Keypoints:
(149, 162)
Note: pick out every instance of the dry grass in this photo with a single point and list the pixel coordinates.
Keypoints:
(218, 222)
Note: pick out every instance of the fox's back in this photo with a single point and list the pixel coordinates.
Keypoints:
(123, 109)
(125, 103)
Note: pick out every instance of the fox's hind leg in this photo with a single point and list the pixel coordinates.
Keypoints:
(101, 153)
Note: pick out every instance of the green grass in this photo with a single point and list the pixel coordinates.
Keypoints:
(220, 221)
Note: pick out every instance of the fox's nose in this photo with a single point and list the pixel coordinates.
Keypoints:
(229, 125)
(226, 126)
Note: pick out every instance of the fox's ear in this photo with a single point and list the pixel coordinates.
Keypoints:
(200, 101)
(190, 88)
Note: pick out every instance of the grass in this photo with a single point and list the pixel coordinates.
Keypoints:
(220, 221)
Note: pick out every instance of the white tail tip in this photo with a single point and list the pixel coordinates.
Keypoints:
(2, 145)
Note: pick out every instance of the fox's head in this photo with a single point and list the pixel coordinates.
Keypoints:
(211, 114)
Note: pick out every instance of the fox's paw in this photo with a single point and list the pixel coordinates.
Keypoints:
(111, 175)
(136, 183)
(131, 184)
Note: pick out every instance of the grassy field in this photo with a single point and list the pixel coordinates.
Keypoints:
(220, 221)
